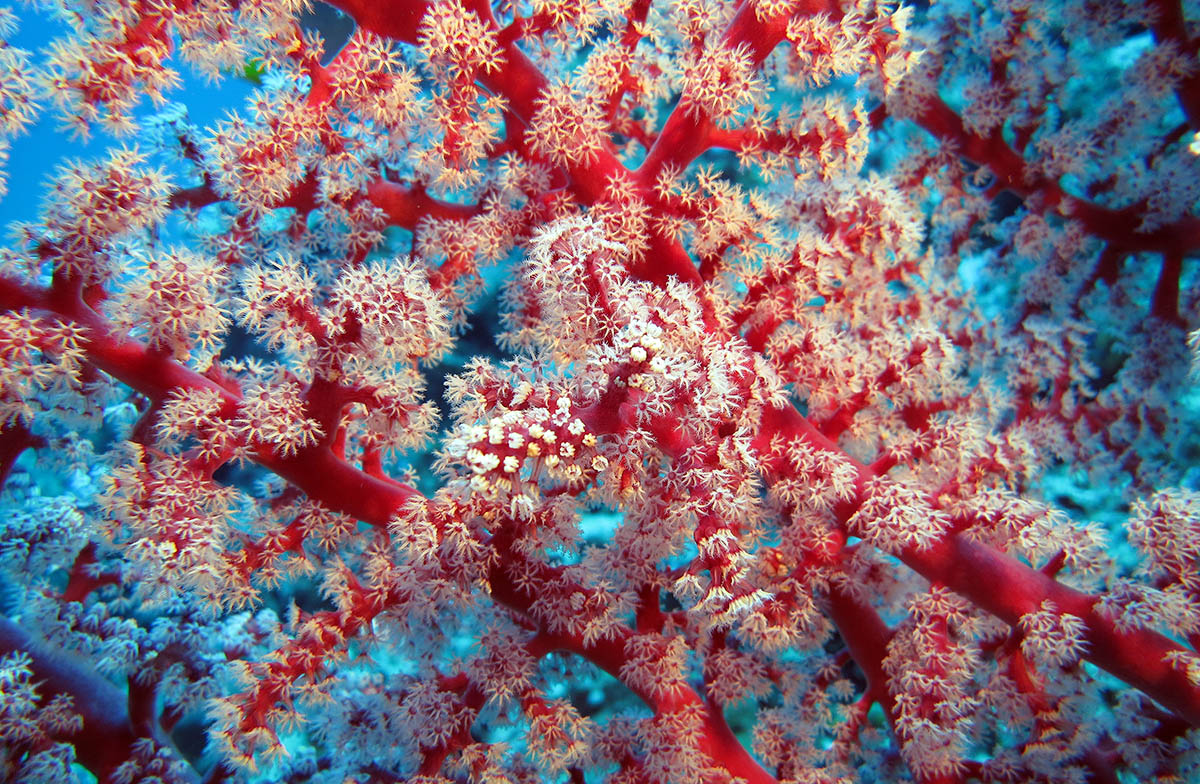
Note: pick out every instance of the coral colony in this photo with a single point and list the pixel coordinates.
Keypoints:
(631, 391)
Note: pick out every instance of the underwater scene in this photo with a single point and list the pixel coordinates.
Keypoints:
(600, 391)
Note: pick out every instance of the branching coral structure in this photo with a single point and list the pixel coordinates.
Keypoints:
(629, 391)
